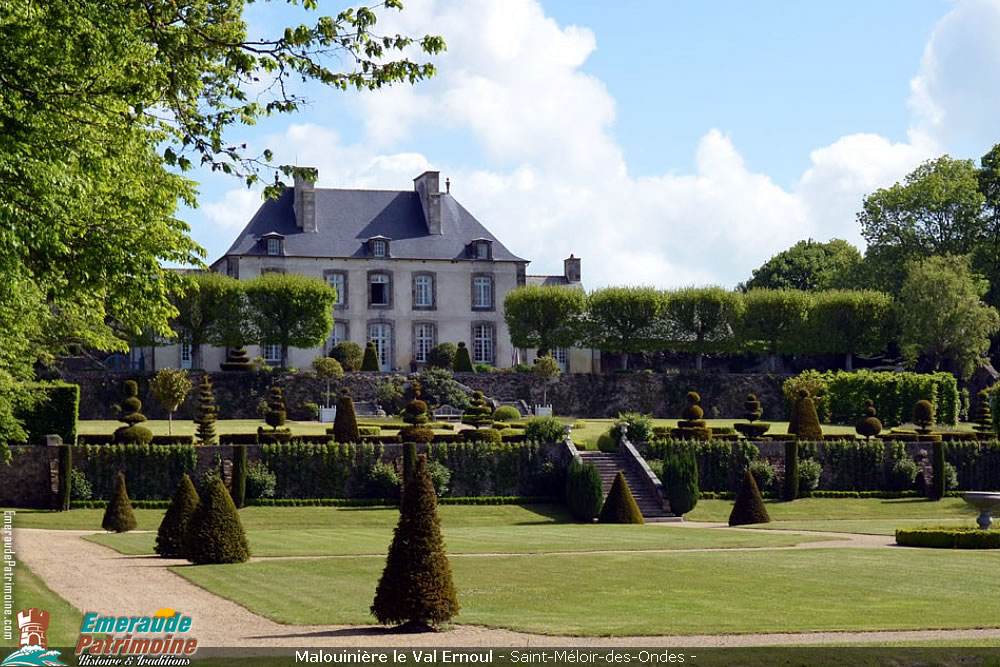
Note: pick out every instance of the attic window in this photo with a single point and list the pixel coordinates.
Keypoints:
(379, 248)
(482, 249)
(273, 246)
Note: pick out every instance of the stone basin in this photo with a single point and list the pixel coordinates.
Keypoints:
(984, 501)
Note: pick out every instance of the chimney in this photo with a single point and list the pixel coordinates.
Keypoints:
(305, 203)
(427, 185)
(571, 269)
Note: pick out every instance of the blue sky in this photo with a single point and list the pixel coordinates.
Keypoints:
(665, 143)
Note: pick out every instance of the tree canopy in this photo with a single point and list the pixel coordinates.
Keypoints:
(289, 310)
(624, 319)
(808, 265)
(702, 319)
(544, 317)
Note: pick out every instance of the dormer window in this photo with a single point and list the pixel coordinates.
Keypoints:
(481, 249)
(378, 246)
(274, 247)
(272, 244)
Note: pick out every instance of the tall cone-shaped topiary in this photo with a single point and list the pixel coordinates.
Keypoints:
(807, 421)
(416, 585)
(791, 481)
(869, 425)
(584, 491)
(463, 362)
(620, 505)
(923, 416)
(215, 533)
(984, 415)
(749, 506)
(370, 361)
(207, 412)
(173, 529)
(938, 482)
(131, 414)
(239, 479)
(345, 424)
(118, 516)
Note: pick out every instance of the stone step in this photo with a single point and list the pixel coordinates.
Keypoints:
(608, 465)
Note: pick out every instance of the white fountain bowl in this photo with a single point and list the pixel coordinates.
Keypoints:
(983, 500)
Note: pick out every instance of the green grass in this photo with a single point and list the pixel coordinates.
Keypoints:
(828, 509)
(64, 618)
(656, 593)
(865, 526)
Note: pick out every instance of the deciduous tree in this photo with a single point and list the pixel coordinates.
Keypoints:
(850, 322)
(624, 320)
(290, 310)
(171, 387)
(808, 265)
(702, 320)
(774, 321)
(544, 317)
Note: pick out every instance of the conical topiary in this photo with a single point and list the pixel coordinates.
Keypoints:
(807, 421)
(131, 414)
(173, 529)
(345, 424)
(869, 425)
(923, 416)
(620, 505)
(749, 506)
(215, 533)
(370, 361)
(984, 415)
(118, 516)
(463, 362)
(237, 359)
(478, 413)
(416, 585)
(207, 412)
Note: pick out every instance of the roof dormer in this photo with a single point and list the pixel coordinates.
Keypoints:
(481, 249)
(272, 244)
(378, 247)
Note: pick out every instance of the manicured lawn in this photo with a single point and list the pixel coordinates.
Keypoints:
(866, 526)
(64, 619)
(826, 509)
(625, 594)
(187, 427)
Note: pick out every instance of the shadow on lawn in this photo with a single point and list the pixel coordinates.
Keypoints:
(547, 514)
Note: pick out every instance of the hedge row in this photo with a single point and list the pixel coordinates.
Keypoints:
(54, 410)
(948, 538)
(327, 470)
(729, 495)
(104, 439)
(319, 439)
(151, 471)
(716, 469)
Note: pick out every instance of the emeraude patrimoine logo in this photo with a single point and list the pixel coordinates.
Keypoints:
(33, 649)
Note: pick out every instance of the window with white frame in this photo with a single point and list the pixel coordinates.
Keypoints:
(482, 344)
(272, 354)
(380, 333)
(482, 250)
(561, 355)
(423, 341)
(378, 289)
(337, 335)
(274, 246)
(482, 292)
(423, 291)
(338, 282)
(379, 248)
(187, 355)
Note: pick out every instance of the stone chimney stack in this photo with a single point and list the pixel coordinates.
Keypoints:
(571, 269)
(427, 185)
(305, 203)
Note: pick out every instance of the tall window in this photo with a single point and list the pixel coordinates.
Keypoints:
(187, 355)
(272, 354)
(482, 292)
(561, 355)
(423, 341)
(378, 248)
(337, 336)
(379, 289)
(423, 291)
(380, 333)
(274, 246)
(482, 344)
(337, 282)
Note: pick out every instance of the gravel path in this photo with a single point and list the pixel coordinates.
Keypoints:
(92, 577)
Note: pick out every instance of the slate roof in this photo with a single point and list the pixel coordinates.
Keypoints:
(347, 218)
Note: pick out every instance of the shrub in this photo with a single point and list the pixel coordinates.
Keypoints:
(80, 488)
(478, 413)
(938, 483)
(749, 506)
(950, 477)
(370, 361)
(638, 426)
(416, 434)
(345, 424)
(382, 481)
(438, 387)
(440, 477)
(239, 483)
(984, 416)
(903, 474)
(810, 472)
(483, 368)
(441, 355)
(416, 585)
(131, 414)
(620, 505)
(791, 485)
(763, 474)
(869, 425)
(584, 492)
(680, 480)
(607, 443)
(118, 516)
(207, 412)
(389, 394)
(215, 533)
(948, 538)
(349, 354)
(463, 362)
(506, 413)
(489, 436)
(923, 415)
(261, 482)
(171, 534)
(751, 409)
(807, 421)
(275, 415)
(544, 429)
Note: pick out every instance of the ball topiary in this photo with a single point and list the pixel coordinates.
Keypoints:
(620, 505)
(370, 362)
(584, 491)
(173, 528)
(923, 416)
(416, 586)
(478, 413)
(680, 480)
(790, 489)
(349, 354)
(506, 413)
(751, 408)
(207, 412)
(118, 515)
(869, 425)
(749, 506)
(463, 362)
(345, 424)
(692, 413)
(131, 414)
(807, 421)
(275, 415)
(984, 415)
(215, 533)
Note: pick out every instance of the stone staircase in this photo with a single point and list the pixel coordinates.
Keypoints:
(608, 466)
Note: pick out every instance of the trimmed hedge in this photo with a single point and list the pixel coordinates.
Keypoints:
(55, 411)
(152, 470)
(107, 438)
(948, 538)
(716, 470)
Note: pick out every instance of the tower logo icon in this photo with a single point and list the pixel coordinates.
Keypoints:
(33, 649)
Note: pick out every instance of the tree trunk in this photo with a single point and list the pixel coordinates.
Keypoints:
(284, 355)
(697, 361)
(196, 356)
(624, 361)
(170, 423)
(849, 362)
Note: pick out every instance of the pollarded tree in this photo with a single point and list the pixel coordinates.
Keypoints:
(131, 414)
(850, 322)
(923, 416)
(289, 310)
(547, 370)
(327, 369)
(416, 585)
(774, 321)
(171, 387)
(173, 528)
(211, 311)
(942, 316)
(544, 317)
(702, 320)
(624, 320)
(207, 412)
(118, 515)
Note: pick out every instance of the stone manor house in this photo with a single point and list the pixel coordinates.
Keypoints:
(411, 268)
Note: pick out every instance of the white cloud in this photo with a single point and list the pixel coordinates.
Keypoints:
(235, 209)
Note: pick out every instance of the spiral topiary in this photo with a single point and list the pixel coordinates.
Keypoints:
(752, 412)
(207, 412)
(275, 415)
(984, 415)
(751, 408)
(869, 425)
(415, 414)
(923, 416)
(237, 359)
(131, 414)
(478, 413)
